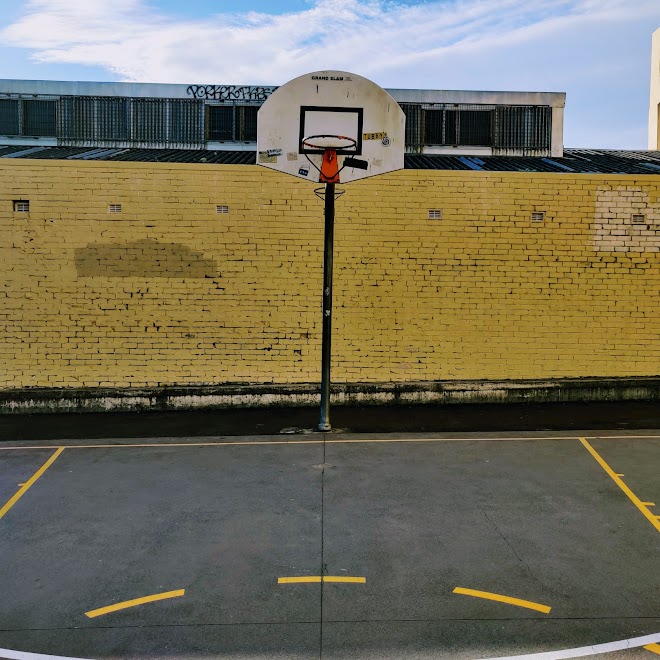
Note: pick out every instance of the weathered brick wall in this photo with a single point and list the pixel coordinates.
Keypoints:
(170, 292)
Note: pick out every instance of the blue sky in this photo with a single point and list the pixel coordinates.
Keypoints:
(597, 51)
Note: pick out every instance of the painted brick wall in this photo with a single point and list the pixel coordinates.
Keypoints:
(170, 292)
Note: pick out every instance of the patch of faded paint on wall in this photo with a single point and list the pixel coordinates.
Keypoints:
(626, 220)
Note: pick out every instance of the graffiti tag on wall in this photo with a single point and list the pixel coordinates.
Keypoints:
(229, 92)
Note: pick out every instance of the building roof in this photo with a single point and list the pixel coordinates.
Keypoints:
(574, 161)
(259, 93)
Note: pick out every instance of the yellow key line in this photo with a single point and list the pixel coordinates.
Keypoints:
(642, 506)
(318, 579)
(503, 599)
(654, 648)
(26, 486)
(132, 603)
(251, 443)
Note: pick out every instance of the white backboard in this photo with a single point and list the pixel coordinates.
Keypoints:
(331, 103)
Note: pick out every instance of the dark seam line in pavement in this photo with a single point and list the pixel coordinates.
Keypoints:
(301, 623)
(323, 572)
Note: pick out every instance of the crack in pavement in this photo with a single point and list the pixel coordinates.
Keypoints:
(519, 558)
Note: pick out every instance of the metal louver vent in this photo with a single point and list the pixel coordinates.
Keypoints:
(151, 122)
(538, 216)
(222, 208)
(21, 206)
(435, 214)
(114, 208)
(638, 219)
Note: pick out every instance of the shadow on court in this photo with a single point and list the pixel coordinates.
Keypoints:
(367, 419)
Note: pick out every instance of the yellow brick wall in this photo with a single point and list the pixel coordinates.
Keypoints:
(170, 292)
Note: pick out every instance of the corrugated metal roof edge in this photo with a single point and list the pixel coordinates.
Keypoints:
(574, 161)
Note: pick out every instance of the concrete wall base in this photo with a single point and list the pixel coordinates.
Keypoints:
(50, 400)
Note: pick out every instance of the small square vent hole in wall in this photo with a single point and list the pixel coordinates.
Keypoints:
(222, 208)
(21, 206)
(638, 219)
(538, 216)
(114, 208)
(435, 214)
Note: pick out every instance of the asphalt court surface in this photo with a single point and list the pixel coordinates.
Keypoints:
(415, 516)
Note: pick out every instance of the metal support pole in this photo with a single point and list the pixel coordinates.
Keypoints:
(328, 249)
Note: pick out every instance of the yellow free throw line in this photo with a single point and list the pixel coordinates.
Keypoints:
(318, 579)
(642, 506)
(26, 486)
(503, 599)
(654, 648)
(132, 603)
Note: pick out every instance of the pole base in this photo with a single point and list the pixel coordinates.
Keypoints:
(324, 426)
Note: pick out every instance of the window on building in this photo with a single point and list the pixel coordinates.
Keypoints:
(39, 118)
(451, 127)
(78, 118)
(186, 125)
(112, 121)
(434, 127)
(249, 123)
(476, 128)
(220, 122)
(89, 118)
(232, 123)
(30, 118)
(9, 117)
(459, 127)
(21, 206)
(149, 120)
(523, 127)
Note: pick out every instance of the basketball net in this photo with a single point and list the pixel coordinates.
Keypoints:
(329, 167)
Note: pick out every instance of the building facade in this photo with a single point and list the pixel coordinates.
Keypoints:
(654, 103)
(224, 117)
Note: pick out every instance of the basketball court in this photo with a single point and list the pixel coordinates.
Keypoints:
(332, 546)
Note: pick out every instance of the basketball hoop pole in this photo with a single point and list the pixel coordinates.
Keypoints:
(326, 352)
(339, 116)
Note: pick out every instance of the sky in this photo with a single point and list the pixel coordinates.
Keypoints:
(596, 51)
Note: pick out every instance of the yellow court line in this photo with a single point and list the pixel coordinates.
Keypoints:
(341, 578)
(289, 442)
(621, 484)
(654, 648)
(180, 444)
(132, 603)
(318, 579)
(251, 443)
(26, 486)
(503, 599)
(299, 580)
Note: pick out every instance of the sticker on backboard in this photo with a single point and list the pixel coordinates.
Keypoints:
(374, 136)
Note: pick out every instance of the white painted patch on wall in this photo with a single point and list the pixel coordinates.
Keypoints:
(617, 227)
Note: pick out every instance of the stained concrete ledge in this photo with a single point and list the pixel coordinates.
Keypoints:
(241, 396)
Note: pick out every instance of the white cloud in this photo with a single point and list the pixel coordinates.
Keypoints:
(547, 45)
(369, 37)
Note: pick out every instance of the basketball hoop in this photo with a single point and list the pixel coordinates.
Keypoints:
(334, 142)
(329, 146)
(344, 126)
